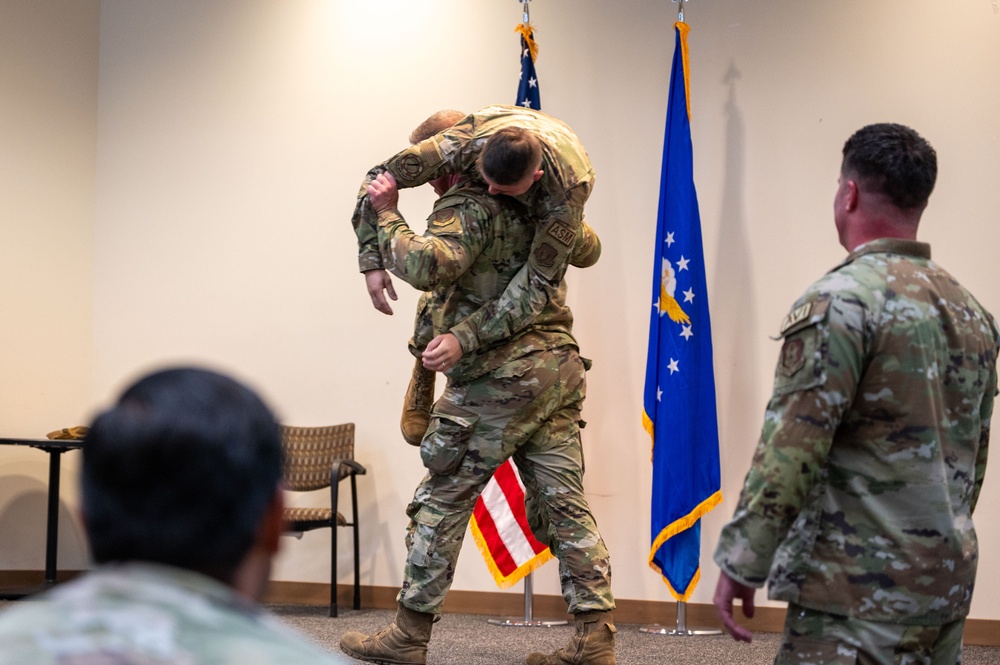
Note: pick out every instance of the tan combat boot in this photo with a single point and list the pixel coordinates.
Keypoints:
(403, 642)
(593, 643)
(417, 405)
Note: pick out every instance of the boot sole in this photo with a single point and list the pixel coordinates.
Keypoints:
(380, 661)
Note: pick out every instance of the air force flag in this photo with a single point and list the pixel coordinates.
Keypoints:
(679, 397)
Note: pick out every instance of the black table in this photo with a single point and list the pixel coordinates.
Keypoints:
(55, 448)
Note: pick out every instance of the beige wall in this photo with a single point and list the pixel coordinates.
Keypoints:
(48, 149)
(232, 136)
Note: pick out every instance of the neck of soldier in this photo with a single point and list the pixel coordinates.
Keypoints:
(875, 218)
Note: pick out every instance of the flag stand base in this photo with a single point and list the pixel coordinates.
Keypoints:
(681, 630)
(528, 621)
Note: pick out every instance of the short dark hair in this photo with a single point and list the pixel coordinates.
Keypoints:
(180, 471)
(894, 160)
(509, 155)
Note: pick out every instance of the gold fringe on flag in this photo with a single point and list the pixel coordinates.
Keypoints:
(525, 569)
(527, 32)
(671, 530)
(684, 29)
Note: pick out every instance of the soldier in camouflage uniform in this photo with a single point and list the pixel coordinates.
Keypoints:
(183, 504)
(420, 392)
(521, 397)
(554, 185)
(857, 508)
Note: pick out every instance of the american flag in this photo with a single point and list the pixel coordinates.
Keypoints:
(499, 524)
(527, 85)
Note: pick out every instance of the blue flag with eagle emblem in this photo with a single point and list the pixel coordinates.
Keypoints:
(679, 396)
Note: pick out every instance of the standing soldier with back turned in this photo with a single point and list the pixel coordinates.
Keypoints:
(857, 508)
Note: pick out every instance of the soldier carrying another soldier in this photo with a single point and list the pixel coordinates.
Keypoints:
(519, 395)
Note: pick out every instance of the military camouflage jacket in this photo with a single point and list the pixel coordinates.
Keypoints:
(150, 614)
(860, 496)
(555, 201)
(474, 245)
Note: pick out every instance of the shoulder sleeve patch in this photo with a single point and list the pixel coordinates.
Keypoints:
(804, 316)
(445, 221)
(563, 234)
(545, 255)
(802, 362)
(413, 165)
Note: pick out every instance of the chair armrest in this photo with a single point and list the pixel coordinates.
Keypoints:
(352, 469)
(337, 470)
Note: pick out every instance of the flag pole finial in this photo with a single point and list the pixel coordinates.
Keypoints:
(527, 17)
(680, 9)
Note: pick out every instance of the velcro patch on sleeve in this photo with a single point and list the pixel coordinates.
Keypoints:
(803, 316)
(545, 255)
(802, 363)
(563, 234)
(412, 166)
(445, 222)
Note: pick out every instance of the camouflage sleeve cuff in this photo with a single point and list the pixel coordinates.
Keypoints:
(746, 549)
(466, 337)
(386, 217)
(364, 222)
(370, 260)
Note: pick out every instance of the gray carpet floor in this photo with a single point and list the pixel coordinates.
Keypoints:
(462, 639)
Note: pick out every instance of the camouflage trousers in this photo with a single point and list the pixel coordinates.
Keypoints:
(819, 638)
(528, 408)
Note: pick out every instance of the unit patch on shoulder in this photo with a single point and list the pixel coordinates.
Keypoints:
(409, 167)
(793, 356)
(545, 255)
(803, 359)
(563, 234)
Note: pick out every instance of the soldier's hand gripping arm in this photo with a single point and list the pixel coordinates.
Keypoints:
(442, 353)
(381, 195)
(413, 166)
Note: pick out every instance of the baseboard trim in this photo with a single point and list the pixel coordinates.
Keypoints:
(27, 578)
(979, 632)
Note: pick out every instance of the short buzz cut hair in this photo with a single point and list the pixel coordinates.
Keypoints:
(893, 160)
(438, 122)
(510, 155)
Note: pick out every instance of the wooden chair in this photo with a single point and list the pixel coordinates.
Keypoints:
(317, 458)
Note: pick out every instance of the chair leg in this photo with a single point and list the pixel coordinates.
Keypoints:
(354, 526)
(333, 568)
